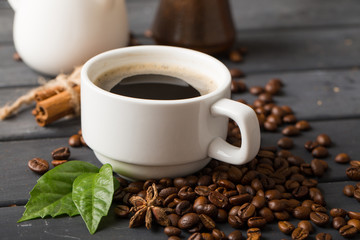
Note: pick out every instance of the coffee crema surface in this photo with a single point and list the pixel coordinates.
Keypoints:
(155, 82)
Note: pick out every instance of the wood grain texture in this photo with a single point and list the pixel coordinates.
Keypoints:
(345, 135)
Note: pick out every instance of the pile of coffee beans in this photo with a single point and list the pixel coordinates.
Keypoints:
(275, 186)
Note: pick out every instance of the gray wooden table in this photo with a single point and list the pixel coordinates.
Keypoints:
(313, 46)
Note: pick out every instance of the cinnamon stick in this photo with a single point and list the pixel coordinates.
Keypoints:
(46, 93)
(56, 107)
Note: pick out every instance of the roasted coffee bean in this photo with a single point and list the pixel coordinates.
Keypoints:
(204, 180)
(305, 168)
(272, 88)
(226, 184)
(186, 193)
(183, 207)
(122, 211)
(323, 140)
(195, 236)
(323, 236)
(180, 182)
(310, 183)
(355, 163)
(295, 160)
(256, 222)
(293, 203)
(353, 173)
(235, 235)
(319, 218)
(208, 209)
(316, 195)
(299, 234)
(217, 175)
(301, 212)
(172, 231)
(230, 193)
(207, 221)
(297, 177)
(246, 211)
(218, 199)
(300, 192)
(207, 236)
(307, 203)
(188, 221)
(282, 216)
(236, 73)
(221, 215)
(287, 109)
(240, 199)
(338, 212)
(256, 90)
(270, 126)
(317, 167)
(236, 221)
(174, 238)
(272, 194)
(305, 224)
(174, 219)
(256, 183)
(38, 165)
(357, 194)
(253, 234)
(235, 55)
(348, 231)
(276, 81)
(290, 131)
(234, 174)
(286, 227)
(62, 153)
(320, 152)
(355, 223)
(338, 222)
(74, 141)
(354, 215)
(291, 184)
(266, 213)
(201, 200)
(318, 208)
(165, 192)
(289, 118)
(310, 145)
(58, 162)
(265, 97)
(218, 234)
(303, 125)
(274, 119)
(342, 158)
(258, 201)
(285, 143)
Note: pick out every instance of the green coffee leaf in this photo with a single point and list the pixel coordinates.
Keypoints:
(93, 194)
(52, 195)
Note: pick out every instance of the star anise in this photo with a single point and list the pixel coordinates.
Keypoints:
(146, 209)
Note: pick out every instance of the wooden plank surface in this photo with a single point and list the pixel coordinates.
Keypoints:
(345, 135)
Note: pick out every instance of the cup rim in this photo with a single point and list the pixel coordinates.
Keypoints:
(219, 89)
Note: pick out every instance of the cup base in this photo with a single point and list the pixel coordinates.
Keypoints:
(143, 172)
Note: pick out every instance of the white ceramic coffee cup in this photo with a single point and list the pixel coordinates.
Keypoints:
(146, 139)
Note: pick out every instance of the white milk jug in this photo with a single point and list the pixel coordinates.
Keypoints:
(53, 36)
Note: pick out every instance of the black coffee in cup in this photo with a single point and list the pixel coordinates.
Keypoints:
(155, 82)
(155, 86)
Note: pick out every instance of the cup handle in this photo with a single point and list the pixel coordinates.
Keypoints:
(246, 119)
